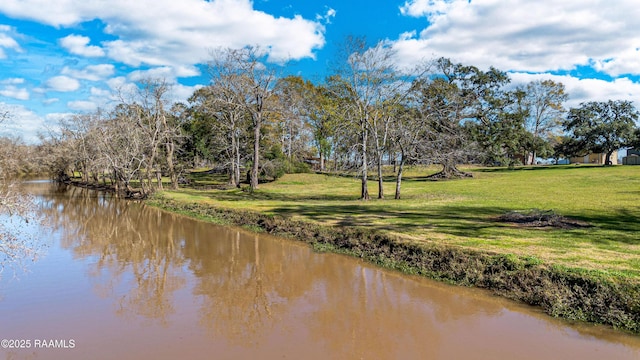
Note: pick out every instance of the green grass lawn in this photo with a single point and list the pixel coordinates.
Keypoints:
(463, 212)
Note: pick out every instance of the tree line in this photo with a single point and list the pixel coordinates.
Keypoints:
(367, 116)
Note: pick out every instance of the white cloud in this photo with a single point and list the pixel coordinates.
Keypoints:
(23, 122)
(15, 92)
(118, 83)
(62, 83)
(627, 62)
(326, 18)
(523, 35)
(180, 93)
(91, 72)
(583, 90)
(124, 88)
(79, 45)
(53, 118)
(52, 121)
(12, 81)
(418, 8)
(50, 101)
(175, 33)
(102, 98)
(100, 92)
(82, 105)
(7, 41)
(99, 98)
(532, 38)
(177, 91)
(164, 72)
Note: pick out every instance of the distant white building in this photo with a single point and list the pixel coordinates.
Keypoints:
(595, 158)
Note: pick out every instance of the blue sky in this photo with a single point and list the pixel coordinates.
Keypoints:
(60, 57)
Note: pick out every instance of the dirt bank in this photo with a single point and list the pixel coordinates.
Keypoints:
(568, 293)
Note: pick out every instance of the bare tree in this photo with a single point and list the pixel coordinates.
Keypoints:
(78, 134)
(368, 82)
(162, 129)
(407, 135)
(150, 106)
(145, 112)
(242, 72)
(374, 88)
(123, 145)
(227, 120)
(292, 117)
(137, 140)
(544, 100)
(173, 139)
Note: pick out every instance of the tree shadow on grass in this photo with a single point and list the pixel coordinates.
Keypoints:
(455, 220)
(622, 227)
(539, 168)
(239, 195)
(430, 178)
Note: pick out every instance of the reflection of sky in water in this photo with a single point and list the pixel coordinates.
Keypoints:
(28, 236)
(133, 282)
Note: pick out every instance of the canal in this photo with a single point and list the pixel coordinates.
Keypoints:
(121, 280)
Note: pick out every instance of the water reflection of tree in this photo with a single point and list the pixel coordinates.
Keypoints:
(249, 287)
(19, 220)
(385, 316)
(366, 315)
(135, 244)
(247, 284)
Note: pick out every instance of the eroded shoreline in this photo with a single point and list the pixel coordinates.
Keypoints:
(572, 294)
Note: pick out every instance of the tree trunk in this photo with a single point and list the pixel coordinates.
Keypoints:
(449, 171)
(536, 132)
(129, 190)
(364, 192)
(141, 179)
(321, 161)
(379, 150)
(290, 145)
(399, 176)
(256, 151)
(159, 179)
(150, 164)
(607, 160)
(380, 145)
(380, 178)
(84, 173)
(116, 182)
(234, 180)
(237, 160)
(395, 162)
(533, 157)
(173, 175)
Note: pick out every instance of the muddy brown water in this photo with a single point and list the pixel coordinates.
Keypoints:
(121, 280)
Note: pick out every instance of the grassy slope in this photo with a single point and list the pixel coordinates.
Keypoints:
(462, 212)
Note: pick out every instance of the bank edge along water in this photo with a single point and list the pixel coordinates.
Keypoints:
(572, 294)
(124, 280)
